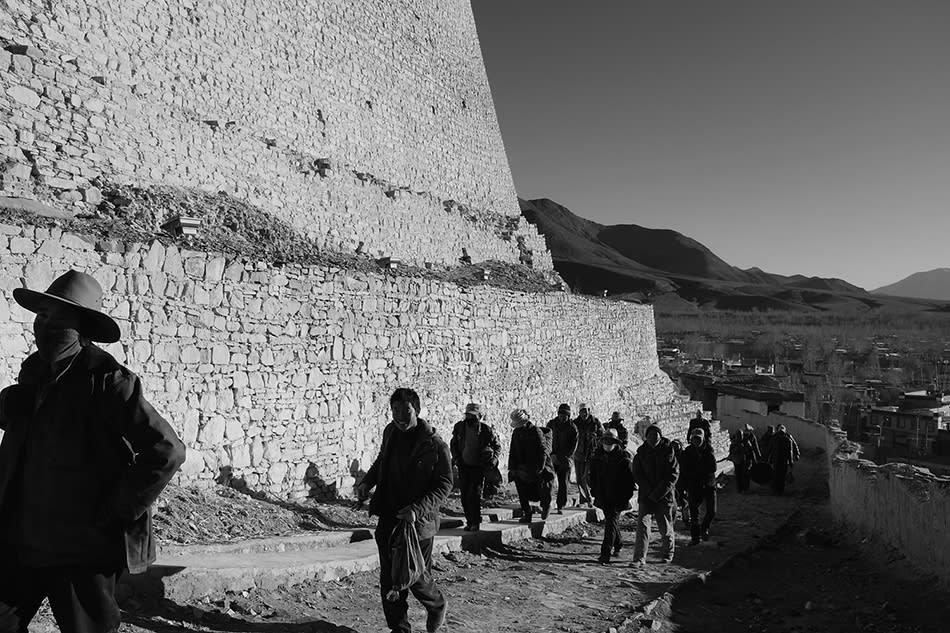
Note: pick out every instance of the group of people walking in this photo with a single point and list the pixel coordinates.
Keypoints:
(769, 458)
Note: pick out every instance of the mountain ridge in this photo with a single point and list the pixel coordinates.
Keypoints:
(927, 284)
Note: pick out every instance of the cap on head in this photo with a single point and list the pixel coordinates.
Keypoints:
(610, 435)
(564, 408)
(700, 433)
(520, 415)
(474, 409)
(653, 428)
(582, 406)
(615, 417)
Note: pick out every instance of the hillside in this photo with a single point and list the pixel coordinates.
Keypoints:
(930, 284)
(680, 273)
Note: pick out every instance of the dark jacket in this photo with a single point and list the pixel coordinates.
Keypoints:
(488, 446)
(765, 445)
(655, 471)
(429, 483)
(699, 423)
(527, 456)
(564, 438)
(744, 450)
(587, 433)
(621, 431)
(611, 478)
(698, 472)
(81, 462)
(784, 450)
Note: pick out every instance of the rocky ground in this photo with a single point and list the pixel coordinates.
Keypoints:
(783, 577)
(238, 229)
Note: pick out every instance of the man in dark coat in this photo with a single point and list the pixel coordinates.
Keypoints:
(698, 476)
(529, 465)
(765, 443)
(82, 459)
(563, 445)
(783, 454)
(611, 482)
(699, 422)
(475, 450)
(744, 452)
(655, 472)
(589, 429)
(616, 423)
(412, 476)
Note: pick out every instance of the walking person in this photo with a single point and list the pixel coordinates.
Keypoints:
(699, 422)
(680, 496)
(412, 477)
(529, 465)
(783, 454)
(611, 482)
(765, 443)
(744, 452)
(655, 472)
(616, 423)
(475, 450)
(83, 458)
(563, 445)
(699, 479)
(589, 429)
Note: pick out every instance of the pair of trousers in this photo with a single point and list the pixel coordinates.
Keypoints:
(471, 479)
(582, 472)
(425, 589)
(705, 496)
(528, 490)
(742, 476)
(662, 512)
(612, 538)
(563, 471)
(82, 598)
(779, 472)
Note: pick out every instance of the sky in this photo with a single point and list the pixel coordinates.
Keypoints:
(802, 137)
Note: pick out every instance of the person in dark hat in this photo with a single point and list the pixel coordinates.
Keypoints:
(82, 459)
(529, 465)
(744, 453)
(563, 445)
(475, 450)
(589, 430)
(616, 423)
(655, 472)
(699, 422)
(611, 483)
(698, 477)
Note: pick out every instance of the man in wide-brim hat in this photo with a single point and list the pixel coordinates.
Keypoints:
(83, 457)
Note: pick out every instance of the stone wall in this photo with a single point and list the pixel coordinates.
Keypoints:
(284, 374)
(898, 505)
(356, 122)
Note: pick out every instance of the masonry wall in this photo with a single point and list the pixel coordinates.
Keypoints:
(898, 505)
(284, 374)
(355, 122)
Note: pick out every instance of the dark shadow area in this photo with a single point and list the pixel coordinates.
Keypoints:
(165, 616)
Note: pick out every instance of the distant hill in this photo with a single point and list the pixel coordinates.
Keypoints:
(931, 284)
(679, 273)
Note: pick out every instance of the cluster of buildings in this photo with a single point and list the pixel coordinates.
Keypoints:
(890, 423)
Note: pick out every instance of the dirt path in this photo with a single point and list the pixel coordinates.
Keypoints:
(810, 577)
(551, 584)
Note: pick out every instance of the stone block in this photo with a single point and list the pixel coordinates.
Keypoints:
(24, 95)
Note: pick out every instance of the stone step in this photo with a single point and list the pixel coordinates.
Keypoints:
(189, 573)
(290, 543)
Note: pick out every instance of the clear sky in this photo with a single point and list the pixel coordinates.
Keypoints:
(801, 136)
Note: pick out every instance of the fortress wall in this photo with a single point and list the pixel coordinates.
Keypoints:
(898, 505)
(284, 374)
(353, 121)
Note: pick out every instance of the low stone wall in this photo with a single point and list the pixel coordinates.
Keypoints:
(897, 504)
(284, 374)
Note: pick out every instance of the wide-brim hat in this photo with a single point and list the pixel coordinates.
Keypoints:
(82, 293)
(615, 417)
